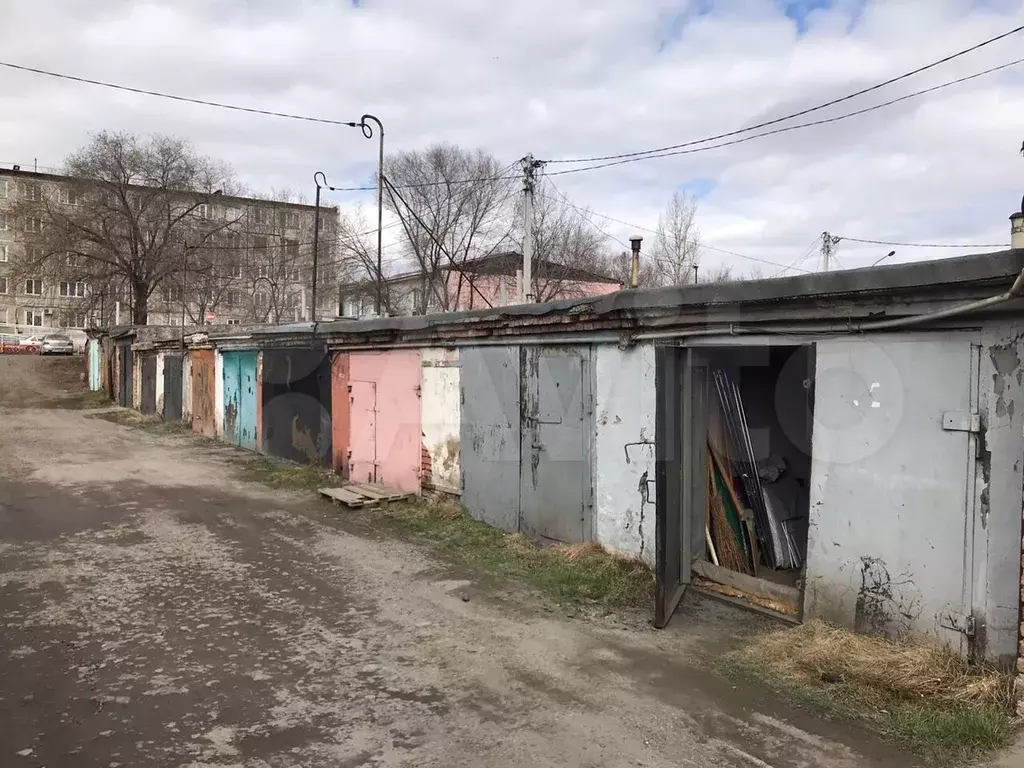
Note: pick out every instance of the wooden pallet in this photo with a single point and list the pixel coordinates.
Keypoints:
(363, 494)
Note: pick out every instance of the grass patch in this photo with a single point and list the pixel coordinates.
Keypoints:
(125, 416)
(90, 399)
(279, 474)
(581, 574)
(924, 696)
(160, 427)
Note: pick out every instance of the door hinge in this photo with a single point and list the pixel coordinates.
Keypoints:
(961, 421)
(958, 622)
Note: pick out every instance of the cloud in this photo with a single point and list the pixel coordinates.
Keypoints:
(576, 78)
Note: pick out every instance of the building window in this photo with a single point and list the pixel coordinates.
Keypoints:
(73, 260)
(31, 191)
(260, 299)
(33, 224)
(72, 320)
(205, 211)
(234, 267)
(74, 290)
(3, 223)
(171, 294)
(262, 271)
(3, 316)
(34, 254)
(33, 317)
(291, 247)
(3, 188)
(233, 215)
(294, 274)
(69, 196)
(290, 219)
(260, 216)
(234, 321)
(259, 246)
(3, 253)
(34, 287)
(3, 285)
(232, 298)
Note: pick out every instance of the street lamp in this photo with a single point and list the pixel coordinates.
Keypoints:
(316, 235)
(890, 253)
(367, 130)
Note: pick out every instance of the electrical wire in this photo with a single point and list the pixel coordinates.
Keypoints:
(175, 97)
(786, 129)
(921, 245)
(800, 259)
(802, 112)
(394, 191)
(700, 245)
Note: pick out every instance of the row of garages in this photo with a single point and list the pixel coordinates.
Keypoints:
(884, 415)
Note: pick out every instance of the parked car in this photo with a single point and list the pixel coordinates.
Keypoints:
(56, 344)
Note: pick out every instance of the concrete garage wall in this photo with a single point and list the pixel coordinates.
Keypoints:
(161, 362)
(997, 554)
(186, 389)
(218, 393)
(624, 404)
(441, 420)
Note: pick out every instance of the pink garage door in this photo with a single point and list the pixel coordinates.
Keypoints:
(385, 430)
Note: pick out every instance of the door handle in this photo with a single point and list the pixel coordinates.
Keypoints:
(538, 447)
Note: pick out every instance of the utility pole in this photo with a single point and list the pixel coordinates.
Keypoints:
(828, 244)
(695, 268)
(530, 167)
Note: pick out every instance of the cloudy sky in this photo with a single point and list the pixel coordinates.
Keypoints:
(567, 79)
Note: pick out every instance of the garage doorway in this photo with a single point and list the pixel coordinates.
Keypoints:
(733, 443)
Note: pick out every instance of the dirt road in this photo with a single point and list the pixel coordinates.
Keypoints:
(158, 611)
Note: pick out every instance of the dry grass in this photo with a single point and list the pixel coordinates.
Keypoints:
(574, 574)
(819, 652)
(926, 696)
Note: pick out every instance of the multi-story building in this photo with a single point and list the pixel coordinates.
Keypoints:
(241, 260)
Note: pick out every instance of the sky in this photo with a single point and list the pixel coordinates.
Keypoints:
(567, 79)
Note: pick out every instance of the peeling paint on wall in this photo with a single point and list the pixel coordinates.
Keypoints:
(624, 491)
(441, 409)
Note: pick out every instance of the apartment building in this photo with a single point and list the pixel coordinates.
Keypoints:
(234, 260)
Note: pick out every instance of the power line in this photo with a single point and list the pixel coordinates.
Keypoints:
(433, 237)
(803, 112)
(786, 129)
(175, 97)
(801, 258)
(922, 245)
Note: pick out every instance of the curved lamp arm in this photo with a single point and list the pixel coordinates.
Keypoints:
(367, 129)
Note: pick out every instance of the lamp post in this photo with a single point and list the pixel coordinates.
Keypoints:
(367, 130)
(316, 237)
(890, 253)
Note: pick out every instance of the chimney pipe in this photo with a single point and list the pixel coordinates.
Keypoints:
(1017, 231)
(634, 269)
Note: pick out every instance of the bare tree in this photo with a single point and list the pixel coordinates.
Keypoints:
(677, 242)
(454, 206)
(567, 246)
(124, 220)
(357, 255)
(720, 274)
